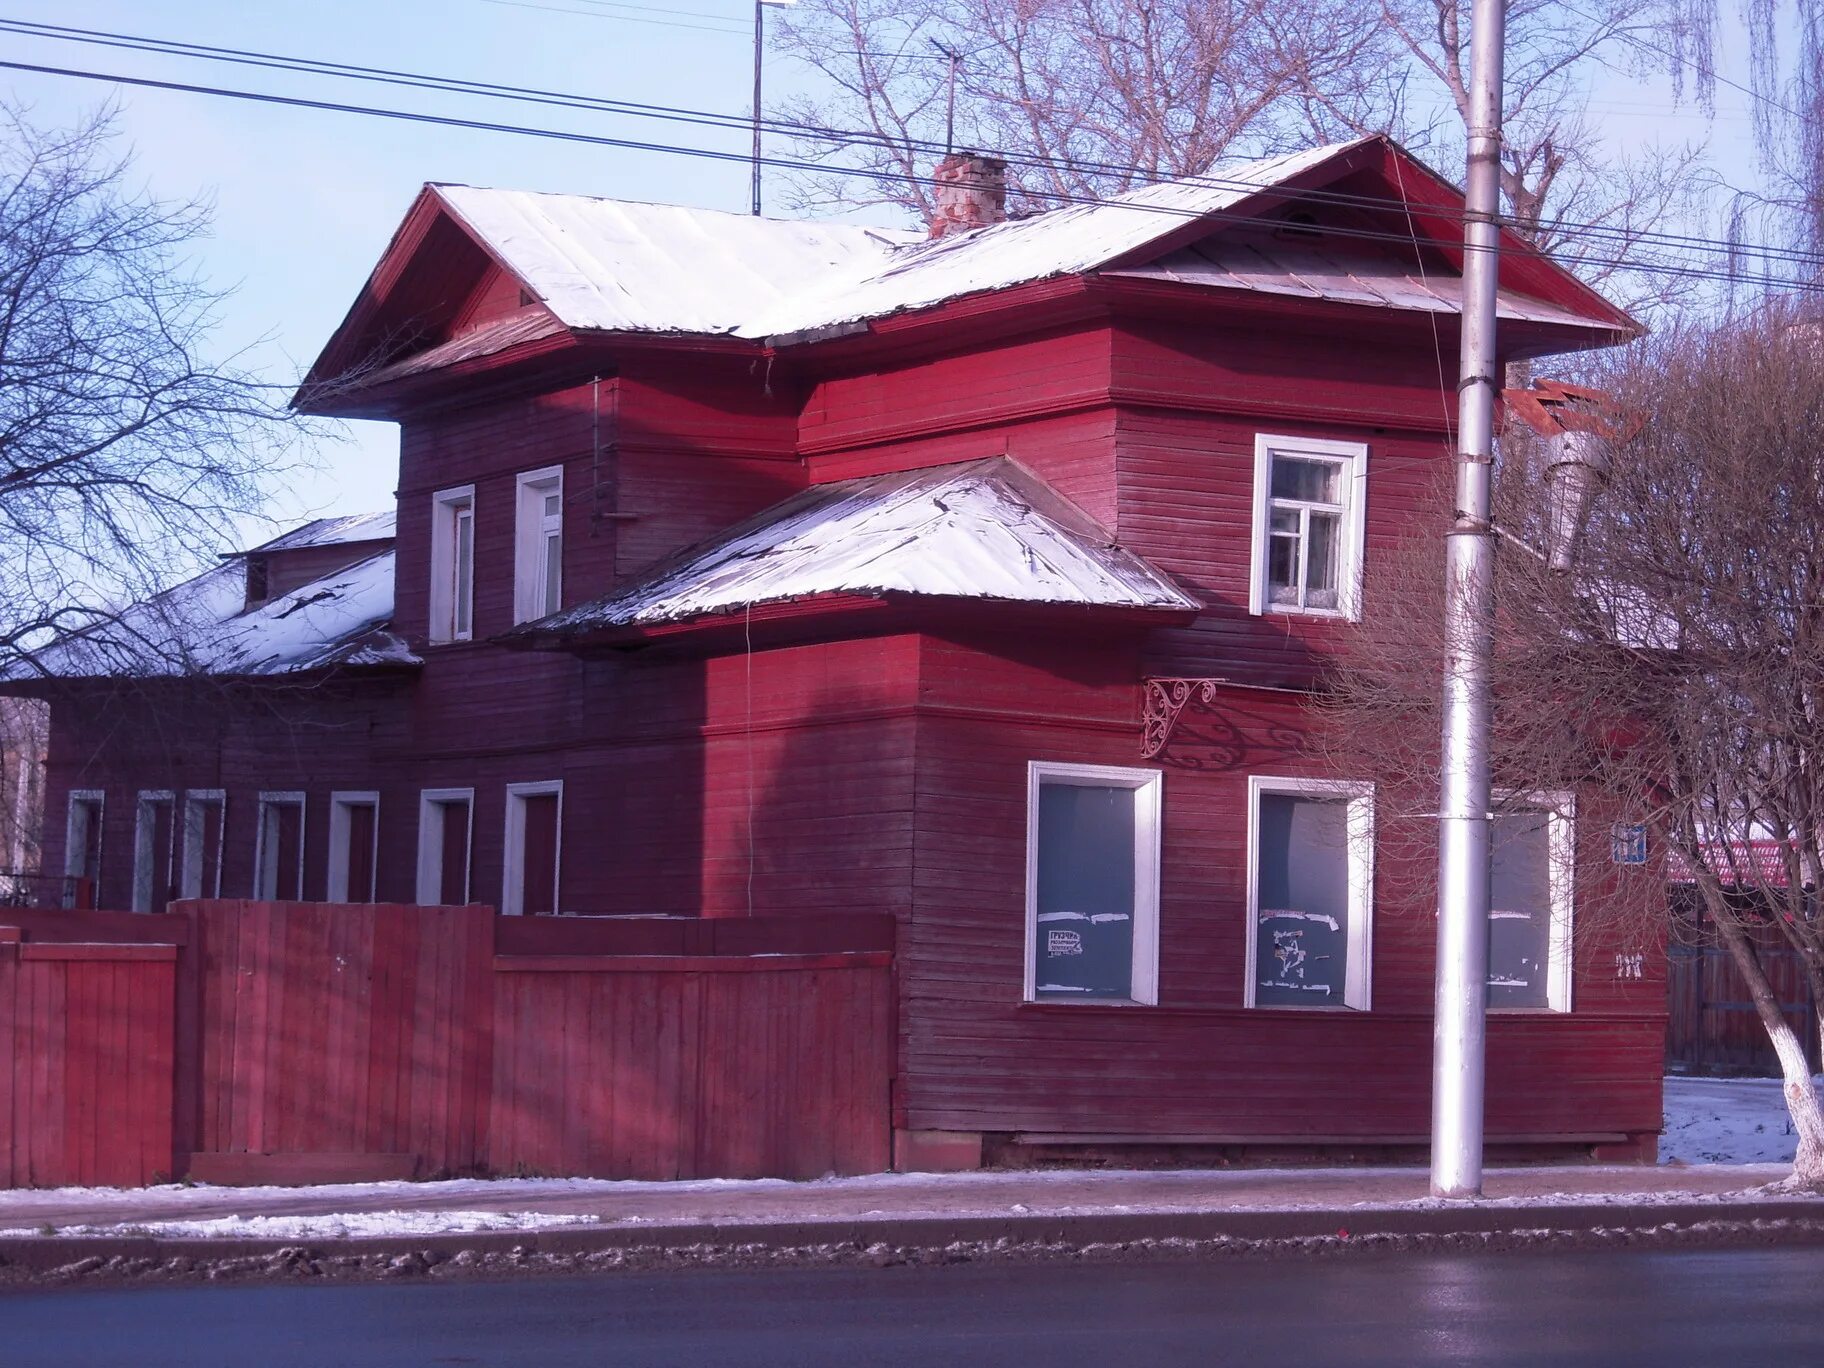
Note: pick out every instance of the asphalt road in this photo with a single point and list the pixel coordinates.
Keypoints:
(1660, 1309)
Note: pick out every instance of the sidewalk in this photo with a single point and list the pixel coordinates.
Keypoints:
(383, 1209)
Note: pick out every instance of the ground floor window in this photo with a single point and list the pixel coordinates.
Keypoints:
(82, 847)
(154, 850)
(1310, 893)
(205, 824)
(533, 848)
(354, 846)
(1092, 883)
(1529, 908)
(446, 825)
(278, 851)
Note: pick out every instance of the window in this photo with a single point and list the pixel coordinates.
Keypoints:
(533, 848)
(354, 847)
(538, 545)
(446, 824)
(453, 564)
(1529, 907)
(82, 847)
(278, 848)
(205, 817)
(1310, 893)
(1309, 499)
(1092, 884)
(154, 843)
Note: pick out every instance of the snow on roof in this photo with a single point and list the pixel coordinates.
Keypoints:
(982, 530)
(621, 266)
(199, 627)
(618, 266)
(1349, 273)
(355, 527)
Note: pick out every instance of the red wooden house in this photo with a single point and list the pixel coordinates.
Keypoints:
(748, 567)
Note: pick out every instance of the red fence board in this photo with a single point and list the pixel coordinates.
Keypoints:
(86, 1064)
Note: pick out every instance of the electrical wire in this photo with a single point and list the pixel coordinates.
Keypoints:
(846, 138)
(703, 118)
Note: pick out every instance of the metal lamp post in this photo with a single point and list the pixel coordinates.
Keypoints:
(1463, 836)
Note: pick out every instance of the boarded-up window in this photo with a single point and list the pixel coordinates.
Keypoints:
(354, 822)
(204, 824)
(1520, 910)
(1085, 892)
(154, 846)
(534, 819)
(279, 863)
(1301, 945)
(444, 826)
(82, 848)
(1093, 896)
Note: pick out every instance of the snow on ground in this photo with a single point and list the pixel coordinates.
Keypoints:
(1726, 1121)
(343, 1225)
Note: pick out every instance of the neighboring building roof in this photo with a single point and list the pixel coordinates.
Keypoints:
(355, 527)
(985, 530)
(198, 627)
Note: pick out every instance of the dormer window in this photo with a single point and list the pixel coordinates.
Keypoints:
(1309, 499)
(258, 581)
(538, 559)
(452, 616)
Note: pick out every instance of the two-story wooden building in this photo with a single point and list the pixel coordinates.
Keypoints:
(747, 566)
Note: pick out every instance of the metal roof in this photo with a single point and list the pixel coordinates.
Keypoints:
(199, 628)
(985, 530)
(1352, 273)
(355, 527)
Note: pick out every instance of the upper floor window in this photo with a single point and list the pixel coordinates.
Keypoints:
(1309, 500)
(538, 545)
(453, 564)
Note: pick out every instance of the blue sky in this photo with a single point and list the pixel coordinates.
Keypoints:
(305, 200)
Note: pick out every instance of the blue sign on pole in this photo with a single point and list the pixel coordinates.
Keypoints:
(1628, 844)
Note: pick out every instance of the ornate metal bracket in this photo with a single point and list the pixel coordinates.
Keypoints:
(1161, 701)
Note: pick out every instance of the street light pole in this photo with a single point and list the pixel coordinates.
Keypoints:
(1459, 1034)
(759, 48)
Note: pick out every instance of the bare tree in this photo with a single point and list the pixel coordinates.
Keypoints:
(1085, 97)
(126, 452)
(1676, 679)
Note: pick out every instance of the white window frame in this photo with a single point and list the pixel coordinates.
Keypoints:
(430, 843)
(1358, 980)
(1148, 786)
(190, 866)
(265, 888)
(335, 886)
(1560, 811)
(1354, 459)
(513, 857)
(448, 508)
(531, 533)
(145, 833)
(72, 847)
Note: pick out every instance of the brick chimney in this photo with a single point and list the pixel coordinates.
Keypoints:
(971, 193)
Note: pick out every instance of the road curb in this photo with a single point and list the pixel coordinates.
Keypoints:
(1247, 1232)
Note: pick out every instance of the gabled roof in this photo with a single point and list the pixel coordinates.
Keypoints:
(198, 627)
(603, 266)
(986, 530)
(354, 527)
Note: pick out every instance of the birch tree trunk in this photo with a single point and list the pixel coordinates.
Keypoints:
(1801, 1095)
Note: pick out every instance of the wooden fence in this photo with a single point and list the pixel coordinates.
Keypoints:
(1712, 1026)
(290, 1042)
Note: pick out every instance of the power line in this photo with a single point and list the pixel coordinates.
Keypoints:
(622, 18)
(878, 175)
(856, 138)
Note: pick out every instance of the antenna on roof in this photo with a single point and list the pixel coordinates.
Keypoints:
(759, 48)
(956, 60)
